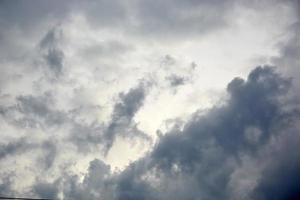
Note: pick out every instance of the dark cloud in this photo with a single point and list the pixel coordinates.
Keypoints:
(14, 147)
(253, 103)
(280, 175)
(215, 139)
(290, 50)
(54, 58)
(27, 20)
(50, 149)
(87, 136)
(37, 111)
(51, 50)
(18, 147)
(6, 183)
(131, 186)
(19, 13)
(176, 80)
(198, 161)
(98, 183)
(122, 123)
(46, 190)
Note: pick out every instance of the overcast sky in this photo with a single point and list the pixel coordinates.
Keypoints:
(150, 99)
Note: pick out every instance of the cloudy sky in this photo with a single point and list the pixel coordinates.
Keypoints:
(150, 99)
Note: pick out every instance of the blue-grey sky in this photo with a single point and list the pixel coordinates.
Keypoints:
(150, 99)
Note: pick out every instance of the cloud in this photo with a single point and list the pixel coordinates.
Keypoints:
(46, 190)
(192, 157)
(290, 50)
(51, 50)
(87, 136)
(50, 149)
(6, 183)
(176, 80)
(169, 18)
(37, 111)
(201, 160)
(14, 147)
(57, 87)
(142, 18)
(122, 123)
(279, 179)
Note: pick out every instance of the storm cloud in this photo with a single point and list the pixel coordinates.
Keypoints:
(200, 160)
(152, 100)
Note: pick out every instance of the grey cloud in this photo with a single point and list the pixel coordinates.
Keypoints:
(171, 18)
(131, 186)
(54, 58)
(21, 19)
(290, 50)
(195, 154)
(98, 183)
(24, 144)
(87, 136)
(197, 162)
(46, 190)
(25, 15)
(217, 139)
(157, 18)
(51, 50)
(104, 13)
(37, 111)
(40, 112)
(6, 184)
(98, 170)
(14, 147)
(280, 175)
(104, 49)
(122, 116)
(51, 38)
(253, 102)
(168, 60)
(176, 80)
(50, 148)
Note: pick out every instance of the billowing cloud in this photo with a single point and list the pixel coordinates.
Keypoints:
(201, 160)
(104, 99)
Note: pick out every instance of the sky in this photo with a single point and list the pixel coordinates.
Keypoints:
(150, 99)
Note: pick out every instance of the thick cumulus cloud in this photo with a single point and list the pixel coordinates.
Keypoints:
(203, 159)
(198, 161)
(207, 150)
(72, 91)
(280, 174)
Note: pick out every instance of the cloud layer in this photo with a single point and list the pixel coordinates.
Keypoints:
(151, 100)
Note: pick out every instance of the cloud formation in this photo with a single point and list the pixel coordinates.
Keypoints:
(104, 99)
(200, 160)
